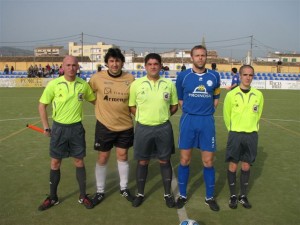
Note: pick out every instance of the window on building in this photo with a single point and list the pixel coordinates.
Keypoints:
(284, 60)
(294, 60)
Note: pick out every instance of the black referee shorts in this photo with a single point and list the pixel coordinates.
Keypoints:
(67, 140)
(105, 139)
(242, 147)
(153, 141)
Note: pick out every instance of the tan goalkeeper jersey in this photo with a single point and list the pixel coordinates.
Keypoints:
(112, 94)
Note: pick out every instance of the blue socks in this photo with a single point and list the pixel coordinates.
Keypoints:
(183, 177)
(209, 179)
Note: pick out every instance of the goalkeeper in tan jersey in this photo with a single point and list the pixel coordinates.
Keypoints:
(114, 126)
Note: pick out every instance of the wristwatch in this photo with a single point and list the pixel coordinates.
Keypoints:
(47, 130)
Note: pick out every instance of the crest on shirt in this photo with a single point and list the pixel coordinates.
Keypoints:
(80, 96)
(200, 88)
(166, 96)
(255, 108)
(107, 91)
(209, 83)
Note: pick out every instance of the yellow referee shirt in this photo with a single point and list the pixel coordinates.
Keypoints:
(67, 99)
(242, 111)
(152, 100)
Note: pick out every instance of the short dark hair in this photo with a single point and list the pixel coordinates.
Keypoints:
(245, 66)
(114, 53)
(153, 56)
(198, 47)
(234, 70)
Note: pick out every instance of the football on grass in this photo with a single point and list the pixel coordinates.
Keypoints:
(188, 222)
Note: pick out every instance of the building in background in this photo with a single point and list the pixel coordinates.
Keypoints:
(50, 51)
(95, 52)
(280, 57)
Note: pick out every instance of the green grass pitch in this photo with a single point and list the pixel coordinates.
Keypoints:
(24, 172)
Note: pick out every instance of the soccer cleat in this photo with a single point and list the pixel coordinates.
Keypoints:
(48, 202)
(126, 194)
(181, 201)
(244, 201)
(86, 201)
(138, 200)
(233, 202)
(213, 205)
(170, 202)
(98, 197)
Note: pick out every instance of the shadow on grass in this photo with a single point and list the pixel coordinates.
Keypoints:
(257, 168)
(195, 179)
(112, 181)
(154, 174)
(221, 170)
(196, 175)
(74, 193)
(222, 167)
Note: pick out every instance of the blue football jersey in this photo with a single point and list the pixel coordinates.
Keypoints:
(235, 80)
(198, 91)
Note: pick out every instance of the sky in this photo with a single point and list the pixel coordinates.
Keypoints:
(232, 28)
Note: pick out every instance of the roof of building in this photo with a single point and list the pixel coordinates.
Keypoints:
(49, 47)
(180, 60)
(39, 58)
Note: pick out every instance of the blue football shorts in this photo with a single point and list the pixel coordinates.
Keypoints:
(197, 132)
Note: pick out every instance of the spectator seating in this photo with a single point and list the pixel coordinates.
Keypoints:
(168, 74)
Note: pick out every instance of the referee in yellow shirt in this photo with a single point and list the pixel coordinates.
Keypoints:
(242, 110)
(152, 100)
(66, 94)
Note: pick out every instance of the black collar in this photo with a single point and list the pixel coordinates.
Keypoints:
(114, 76)
(245, 90)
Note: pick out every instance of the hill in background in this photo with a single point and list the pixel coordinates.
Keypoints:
(10, 51)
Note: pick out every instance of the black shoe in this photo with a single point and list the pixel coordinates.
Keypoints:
(48, 202)
(98, 197)
(213, 205)
(86, 201)
(233, 202)
(244, 201)
(126, 194)
(138, 200)
(170, 202)
(181, 201)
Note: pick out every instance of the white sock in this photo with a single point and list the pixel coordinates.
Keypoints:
(100, 172)
(123, 168)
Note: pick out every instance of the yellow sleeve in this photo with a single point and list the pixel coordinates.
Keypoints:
(227, 111)
(132, 94)
(174, 98)
(261, 106)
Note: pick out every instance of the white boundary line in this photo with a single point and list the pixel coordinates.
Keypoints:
(182, 214)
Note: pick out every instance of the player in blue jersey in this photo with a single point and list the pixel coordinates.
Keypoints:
(235, 79)
(198, 91)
